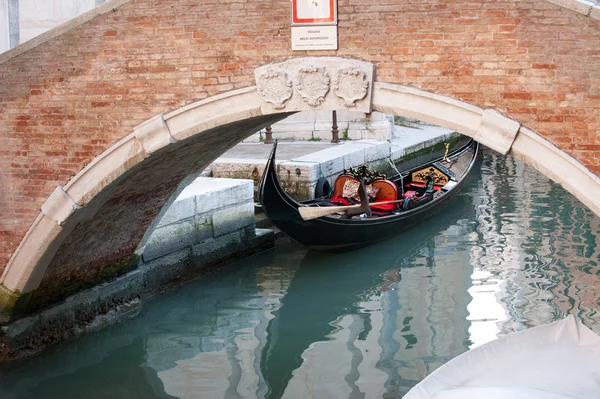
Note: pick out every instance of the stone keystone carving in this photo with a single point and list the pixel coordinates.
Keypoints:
(312, 84)
(275, 88)
(351, 86)
(317, 83)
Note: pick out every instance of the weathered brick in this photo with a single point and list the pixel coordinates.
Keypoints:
(66, 101)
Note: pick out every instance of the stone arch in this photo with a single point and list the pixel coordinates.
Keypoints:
(226, 119)
(495, 131)
(87, 194)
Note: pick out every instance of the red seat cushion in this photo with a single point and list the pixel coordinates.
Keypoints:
(409, 194)
(339, 201)
(436, 187)
(388, 191)
(384, 207)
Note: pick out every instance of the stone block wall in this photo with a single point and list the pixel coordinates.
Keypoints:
(317, 125)
(21, 20)
(299, 176)
(36, 17)
(4, 26)
(204, 212)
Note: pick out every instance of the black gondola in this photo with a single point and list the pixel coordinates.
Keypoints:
(422, 193)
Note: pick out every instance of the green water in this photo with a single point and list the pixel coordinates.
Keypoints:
(513, 251)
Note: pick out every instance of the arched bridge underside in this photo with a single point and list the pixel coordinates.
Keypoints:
(100, 123)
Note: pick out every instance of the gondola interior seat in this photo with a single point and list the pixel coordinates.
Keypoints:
(386, 191)
(345, 193)
(340, 194)
(340, 182)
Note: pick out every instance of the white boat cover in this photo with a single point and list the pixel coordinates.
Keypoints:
(555, 361)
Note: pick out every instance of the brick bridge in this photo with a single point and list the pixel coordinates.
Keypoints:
(101, 118)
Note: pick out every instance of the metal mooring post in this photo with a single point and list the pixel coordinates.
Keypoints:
(334, 129)
(269, 135)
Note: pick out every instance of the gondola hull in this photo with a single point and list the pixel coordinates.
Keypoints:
(335, 234)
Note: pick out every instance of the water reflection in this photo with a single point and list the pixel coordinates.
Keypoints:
(536, 254)
(514, 250)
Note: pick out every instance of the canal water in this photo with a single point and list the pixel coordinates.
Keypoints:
(513, 251)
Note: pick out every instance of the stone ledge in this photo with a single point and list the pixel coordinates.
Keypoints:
(233, 218)
(411, 149)
(263, 237)
(205, 194)
(299, 175)
(171, 238)
(328, 163)
(587, 8)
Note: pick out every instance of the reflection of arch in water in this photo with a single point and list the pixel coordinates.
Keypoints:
(576, 235)
(566, 264)
(225, 363)
(429, 324)
(176, 330)
(326, 287)
(537, 277)
(487, 310)
(119, 374)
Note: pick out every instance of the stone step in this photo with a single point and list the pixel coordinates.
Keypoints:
(262, 221)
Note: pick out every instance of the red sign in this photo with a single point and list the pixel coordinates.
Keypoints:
(314, 12)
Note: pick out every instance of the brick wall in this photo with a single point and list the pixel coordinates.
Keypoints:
(65, 101)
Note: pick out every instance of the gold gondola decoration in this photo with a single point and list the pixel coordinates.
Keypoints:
(363, 172)
(421, 176)
(445, 158)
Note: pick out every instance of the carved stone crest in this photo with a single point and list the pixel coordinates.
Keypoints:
(351, 86)
(275, 88)
(316, 83)
(313, 84)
